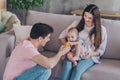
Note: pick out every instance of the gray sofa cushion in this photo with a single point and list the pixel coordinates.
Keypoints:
(57, 21)
(6, 46)
(108, 70)
(113, 42)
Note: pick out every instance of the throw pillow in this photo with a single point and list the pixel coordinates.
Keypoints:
(22, 32)
(2, 27)
(12, 20)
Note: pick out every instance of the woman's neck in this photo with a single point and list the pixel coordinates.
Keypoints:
(90, 25)
(88, 28)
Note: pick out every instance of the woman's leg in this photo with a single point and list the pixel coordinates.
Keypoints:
(82, 66)
(36, 73)
(66, 70)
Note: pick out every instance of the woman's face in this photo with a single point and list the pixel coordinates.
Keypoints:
(88, 19)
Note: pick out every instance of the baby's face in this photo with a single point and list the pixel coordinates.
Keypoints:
(72, 36)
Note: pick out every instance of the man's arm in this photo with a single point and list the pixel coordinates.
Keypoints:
(50, 62)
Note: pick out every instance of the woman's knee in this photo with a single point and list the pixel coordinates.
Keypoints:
(67, 64)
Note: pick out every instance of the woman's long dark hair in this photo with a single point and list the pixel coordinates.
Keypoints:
(96, 31)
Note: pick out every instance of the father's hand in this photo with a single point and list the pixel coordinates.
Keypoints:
(64, 50)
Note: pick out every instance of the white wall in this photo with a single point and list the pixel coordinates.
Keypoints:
(108, 5)
(65, 6)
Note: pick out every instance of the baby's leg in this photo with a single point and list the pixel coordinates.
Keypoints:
(70, 56)
(74, 63)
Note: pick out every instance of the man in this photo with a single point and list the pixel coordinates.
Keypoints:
(26, 63)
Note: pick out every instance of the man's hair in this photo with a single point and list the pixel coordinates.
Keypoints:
(40, 29)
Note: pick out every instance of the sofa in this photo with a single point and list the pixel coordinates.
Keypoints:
(6, 39)
(108, 69)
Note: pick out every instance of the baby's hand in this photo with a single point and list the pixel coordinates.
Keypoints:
(74, 43)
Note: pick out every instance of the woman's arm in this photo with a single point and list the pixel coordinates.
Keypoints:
(103, 44)
(100, 51)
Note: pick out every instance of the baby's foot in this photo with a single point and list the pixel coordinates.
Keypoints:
(74, 63)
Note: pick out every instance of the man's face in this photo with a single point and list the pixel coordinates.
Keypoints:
(45, 40)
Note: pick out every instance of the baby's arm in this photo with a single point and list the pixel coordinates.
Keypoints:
(79, 49)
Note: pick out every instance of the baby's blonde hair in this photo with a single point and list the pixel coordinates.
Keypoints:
(73, 29)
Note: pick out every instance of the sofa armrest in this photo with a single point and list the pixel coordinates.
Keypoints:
(6, 46)
(7, 43)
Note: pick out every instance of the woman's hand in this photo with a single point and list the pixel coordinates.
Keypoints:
(87, 55)
(63, 50)
(90, 54)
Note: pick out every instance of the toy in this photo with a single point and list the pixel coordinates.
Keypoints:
(67, 44)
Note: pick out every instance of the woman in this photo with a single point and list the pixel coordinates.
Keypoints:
(91, 31)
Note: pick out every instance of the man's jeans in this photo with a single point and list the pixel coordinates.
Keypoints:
(36, 73)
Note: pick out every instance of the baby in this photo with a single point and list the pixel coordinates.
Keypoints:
(77, 48)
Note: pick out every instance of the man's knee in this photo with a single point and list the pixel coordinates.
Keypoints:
(48, 72)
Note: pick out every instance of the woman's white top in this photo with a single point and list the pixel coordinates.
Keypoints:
(84, 35)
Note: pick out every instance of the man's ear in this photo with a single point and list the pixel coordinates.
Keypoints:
(40, 38)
